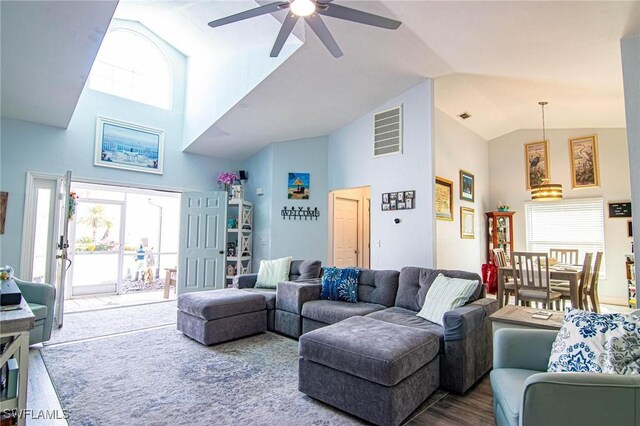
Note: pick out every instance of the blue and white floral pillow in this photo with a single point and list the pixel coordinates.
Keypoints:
(340, 284)
(596, 343)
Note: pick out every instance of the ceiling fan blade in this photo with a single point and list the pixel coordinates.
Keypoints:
(262, 10)
(317, 25)
(346, 13)
(283, 35)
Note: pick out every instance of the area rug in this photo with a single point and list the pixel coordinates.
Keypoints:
(105, 322)
(161, 377)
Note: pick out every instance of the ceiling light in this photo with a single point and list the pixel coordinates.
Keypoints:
(302, 7)
(546, 191)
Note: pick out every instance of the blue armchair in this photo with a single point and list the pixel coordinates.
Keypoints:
(525, 394)
(40, 297)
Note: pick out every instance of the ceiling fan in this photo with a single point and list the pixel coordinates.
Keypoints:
(310, 10)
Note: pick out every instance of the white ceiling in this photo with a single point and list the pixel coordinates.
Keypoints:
(494, 59)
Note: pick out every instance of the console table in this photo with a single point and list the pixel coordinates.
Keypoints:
(14, 333)
(511, 316)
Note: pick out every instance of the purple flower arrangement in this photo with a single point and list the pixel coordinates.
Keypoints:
(226, 178)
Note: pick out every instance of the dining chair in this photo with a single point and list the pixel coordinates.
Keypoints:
(500, 258)
(563, 288)
(531, 279)
(590, 290)
(566, 256)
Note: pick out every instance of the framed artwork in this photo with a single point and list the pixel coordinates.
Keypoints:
(385, 198)
(466, 222)
(4, 197)
(584, 162)
(128, 146)
(299, 186)
(401, 205)
(536, 158)
(385, 206)
(409, 195)
(620, 209)
(444, 199)
(467, 186)
(400, 200)
(630, 229)
(408, 203)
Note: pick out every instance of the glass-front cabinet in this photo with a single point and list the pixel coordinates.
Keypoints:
(499, 233)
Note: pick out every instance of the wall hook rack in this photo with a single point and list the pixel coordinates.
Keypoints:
(301, 213)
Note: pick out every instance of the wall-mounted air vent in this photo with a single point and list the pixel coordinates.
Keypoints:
(464, 115)
(387, 132)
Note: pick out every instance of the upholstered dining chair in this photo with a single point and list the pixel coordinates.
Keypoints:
(566, 256)
(500, 258)
(562, 287)
(590, 299)
(531, 279)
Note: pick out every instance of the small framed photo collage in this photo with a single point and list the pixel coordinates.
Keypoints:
(402, 200)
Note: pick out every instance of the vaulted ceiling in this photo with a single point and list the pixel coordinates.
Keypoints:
(495, 60)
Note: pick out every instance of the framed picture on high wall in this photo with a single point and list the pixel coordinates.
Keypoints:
(467, 222)
(536, 158)
(128, 146)
(584, 162)
(467, 186)
(444, 199)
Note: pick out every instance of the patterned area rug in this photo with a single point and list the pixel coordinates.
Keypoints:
(105, 322)
(161, 377)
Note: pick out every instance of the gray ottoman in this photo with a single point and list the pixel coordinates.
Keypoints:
(216, 316)
(375, 370)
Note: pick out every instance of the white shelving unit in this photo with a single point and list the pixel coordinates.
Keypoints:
(241, 237)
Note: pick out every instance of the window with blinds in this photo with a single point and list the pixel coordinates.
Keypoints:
(570, 224)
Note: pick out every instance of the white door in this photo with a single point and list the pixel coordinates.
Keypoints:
(45, 226)
(345, 232)
(201, 259)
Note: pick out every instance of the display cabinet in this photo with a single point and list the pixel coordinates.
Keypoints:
(239, 238)
(499, 233)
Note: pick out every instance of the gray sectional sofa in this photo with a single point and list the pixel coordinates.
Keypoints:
(396, 297)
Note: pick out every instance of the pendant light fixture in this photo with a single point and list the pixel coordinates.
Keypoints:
(546, 191)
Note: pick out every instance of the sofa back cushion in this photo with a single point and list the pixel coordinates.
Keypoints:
(414, 283)
(305, 269)
(378, 286)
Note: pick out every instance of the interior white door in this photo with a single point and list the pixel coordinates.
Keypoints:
(345, 232)
(201, 259)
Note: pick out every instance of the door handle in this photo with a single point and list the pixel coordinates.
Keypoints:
(221, 252)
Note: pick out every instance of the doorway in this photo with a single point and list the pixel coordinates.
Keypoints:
(349, 227)
(121, 239)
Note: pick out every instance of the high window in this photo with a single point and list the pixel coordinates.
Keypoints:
(571, 224)
(131, 66)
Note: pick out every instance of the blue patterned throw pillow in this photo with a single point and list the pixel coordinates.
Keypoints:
(596, 343)
(340, 284)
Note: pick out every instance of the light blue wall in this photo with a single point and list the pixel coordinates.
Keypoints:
(269, 169)
(351, 164)
(27, 146)
(260, 173)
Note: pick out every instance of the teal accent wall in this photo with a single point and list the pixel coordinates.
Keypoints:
(26, 146)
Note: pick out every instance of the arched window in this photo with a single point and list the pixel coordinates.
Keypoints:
(131, 66)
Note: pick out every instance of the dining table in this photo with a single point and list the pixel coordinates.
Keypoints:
(570, 273)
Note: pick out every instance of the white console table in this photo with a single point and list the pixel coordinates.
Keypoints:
(14, 332)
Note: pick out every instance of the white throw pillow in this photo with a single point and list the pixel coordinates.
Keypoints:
(272, 271)
(446, 294)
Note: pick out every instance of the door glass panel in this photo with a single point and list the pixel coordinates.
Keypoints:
(41, 236)
(96, 245)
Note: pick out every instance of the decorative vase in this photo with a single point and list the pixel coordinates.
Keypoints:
(237, 192)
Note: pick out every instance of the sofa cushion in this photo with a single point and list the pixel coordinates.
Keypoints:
(268, 293)
(272, 271)
(378, 286)
(406, 317)
(596, 343)
(507, 385)
(333, 311)
(214, 304)
(446, 294)
(373, 350)
(414, 284)
(340, 284)
(305, 269)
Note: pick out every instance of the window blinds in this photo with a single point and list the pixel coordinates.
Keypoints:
(570, 224)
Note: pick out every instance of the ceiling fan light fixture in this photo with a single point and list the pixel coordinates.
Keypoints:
(302, 7)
